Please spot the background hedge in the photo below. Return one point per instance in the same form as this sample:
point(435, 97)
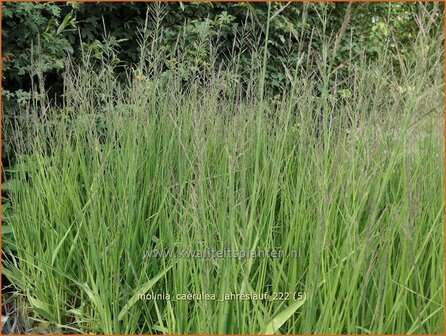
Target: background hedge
point(39, 37)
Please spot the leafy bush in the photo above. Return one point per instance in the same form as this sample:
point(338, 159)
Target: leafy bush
point(40, 37)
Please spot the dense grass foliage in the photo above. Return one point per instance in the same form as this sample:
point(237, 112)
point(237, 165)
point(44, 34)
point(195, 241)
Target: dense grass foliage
point(343, 175)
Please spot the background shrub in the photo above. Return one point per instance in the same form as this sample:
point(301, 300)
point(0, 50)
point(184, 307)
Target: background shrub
point(39, 37)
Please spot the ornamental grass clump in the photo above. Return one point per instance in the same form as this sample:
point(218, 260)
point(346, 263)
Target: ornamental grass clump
point(341, 173)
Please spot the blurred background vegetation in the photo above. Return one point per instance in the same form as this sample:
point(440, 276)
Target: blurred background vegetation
point(38, 38)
